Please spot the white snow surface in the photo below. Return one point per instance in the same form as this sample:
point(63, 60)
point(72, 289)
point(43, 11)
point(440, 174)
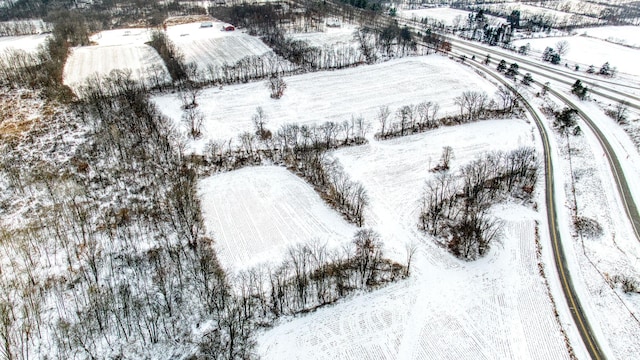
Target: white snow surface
point(27, 43)
point(446, 15)
point(87, 61)
point(624, 35)
point(255, 214)
point(342, 35)
point(587, 51)
point(494, 308)
point(212, 46)
point(331, 96)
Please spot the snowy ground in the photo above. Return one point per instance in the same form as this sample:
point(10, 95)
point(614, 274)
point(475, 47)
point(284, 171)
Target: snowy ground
point(447, 16)
point(213, 47)
point(342, 35)
point(89, 60)
point(254, 214)
point(624, 35)
point(496, 307)
point(120, 49)
point(599, 51)
point(337, 96)
point(561, 17)
point(27, 42)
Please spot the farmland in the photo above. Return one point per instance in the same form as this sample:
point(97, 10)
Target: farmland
point(494, 308)
point(256, 213)
point(212, 47)
point(329, 96)
point(101, 60)
point(599, 51)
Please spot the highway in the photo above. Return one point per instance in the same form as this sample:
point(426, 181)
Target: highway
point(573, 302)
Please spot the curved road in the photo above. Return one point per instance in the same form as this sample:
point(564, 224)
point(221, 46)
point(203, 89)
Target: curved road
point(573, 302)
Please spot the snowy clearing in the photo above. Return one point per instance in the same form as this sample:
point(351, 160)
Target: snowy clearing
point(599, 51)
point(210, 46)
point(342, 35)
point(332, 96)
point(623, 35)
point(86, 61)
point(28, 43)
point(496, 307)
point(448, 16)
point(131, 36)
point(561, 18)
point(255, 213)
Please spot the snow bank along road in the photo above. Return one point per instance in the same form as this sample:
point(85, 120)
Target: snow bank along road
point(602, 87)
point(573, 302)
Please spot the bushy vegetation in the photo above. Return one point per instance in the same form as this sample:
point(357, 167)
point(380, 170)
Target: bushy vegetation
point(455, 207)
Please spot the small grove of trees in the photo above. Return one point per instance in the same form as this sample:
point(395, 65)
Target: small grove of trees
point(276, 85)
point(579, 90)
point(455, 208)
point(619, 112)
point(551, 56)
point(43, 69)
point(311, 276)
point(170, 54)
point(407, 119)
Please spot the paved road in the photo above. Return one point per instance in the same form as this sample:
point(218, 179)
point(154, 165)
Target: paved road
point(573, 301)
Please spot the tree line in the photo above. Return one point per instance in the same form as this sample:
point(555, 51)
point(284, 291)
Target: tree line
point(455, 207)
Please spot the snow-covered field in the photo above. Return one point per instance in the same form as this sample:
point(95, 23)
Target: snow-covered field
point(120, 49)
point(561, 18)
point(336, 96)
point(448, 16)
point(587, 51)
point(624, 35)
point(342, 35)
point(496, 307)
point(213, 47)
point(89, 60)
point(255, 214)
point(28, 43)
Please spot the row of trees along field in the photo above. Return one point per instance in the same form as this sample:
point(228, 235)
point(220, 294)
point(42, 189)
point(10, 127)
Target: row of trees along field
point(455, 207)
point(112, 257)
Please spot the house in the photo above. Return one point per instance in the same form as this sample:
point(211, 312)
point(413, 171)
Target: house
point(228, 27)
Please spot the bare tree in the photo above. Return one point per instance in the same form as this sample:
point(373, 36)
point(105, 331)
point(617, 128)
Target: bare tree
point(472, 103)
point(383, 119)
point(445, 159)
point(259, 121)
point(194, 120)
point(562, 47)
point(277, 86)
point(620, 112)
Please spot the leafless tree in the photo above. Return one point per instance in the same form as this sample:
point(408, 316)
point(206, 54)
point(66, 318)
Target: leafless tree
point(383, 119)
point(562, 47)
point(277, 86)
point(472, 104)
point(194, 119)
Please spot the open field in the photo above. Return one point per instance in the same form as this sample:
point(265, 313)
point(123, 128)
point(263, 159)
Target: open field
point(496, 307)
point(447, 16)
point(623, 35)
point(28, 43)
point(213, 47)
point(336, 96)
point(89, 60)
point(254, 214)
point(330, 37)
point(561, 18)
point(599, 52)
